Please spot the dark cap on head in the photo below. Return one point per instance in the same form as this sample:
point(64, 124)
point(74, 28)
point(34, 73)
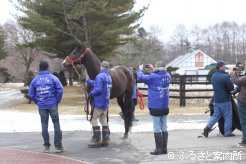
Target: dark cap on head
point(105, 64)
point(148, 66)
point(43, 65)
point(219, 64)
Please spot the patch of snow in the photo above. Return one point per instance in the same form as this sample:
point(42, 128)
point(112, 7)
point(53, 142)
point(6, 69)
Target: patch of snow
point(30, 122)
point(8, 95)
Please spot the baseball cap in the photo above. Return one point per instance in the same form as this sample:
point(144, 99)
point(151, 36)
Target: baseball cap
point(219, 64)
point(43, 65)
point(105, 64)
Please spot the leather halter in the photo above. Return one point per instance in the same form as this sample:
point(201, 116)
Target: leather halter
point(72, 61)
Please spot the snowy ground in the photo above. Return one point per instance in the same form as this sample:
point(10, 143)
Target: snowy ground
point(30, 122)
point(14, 121)
point(7, 96)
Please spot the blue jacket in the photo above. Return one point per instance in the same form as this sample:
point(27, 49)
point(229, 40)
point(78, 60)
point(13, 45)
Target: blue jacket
point(101, 89)
point(45, 90)
point(135, 89)
point(158, 91)
point(222, 86)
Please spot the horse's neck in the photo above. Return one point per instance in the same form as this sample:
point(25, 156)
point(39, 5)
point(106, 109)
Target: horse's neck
point(92, 65)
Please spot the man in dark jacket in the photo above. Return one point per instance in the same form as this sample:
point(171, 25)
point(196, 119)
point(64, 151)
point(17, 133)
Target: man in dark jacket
point(158, 103)
point(101, 93)
point(46, 91)
point(222, 87)
point(241, 104)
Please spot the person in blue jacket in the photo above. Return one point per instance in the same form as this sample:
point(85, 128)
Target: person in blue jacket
point(46, 91)
point(222, 86)
point(158, 103)
point(101, 93)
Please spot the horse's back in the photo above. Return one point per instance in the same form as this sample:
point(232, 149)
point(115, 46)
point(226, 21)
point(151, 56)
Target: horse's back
point(122, 79)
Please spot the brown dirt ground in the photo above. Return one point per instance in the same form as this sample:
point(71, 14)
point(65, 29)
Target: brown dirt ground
point(73, 103)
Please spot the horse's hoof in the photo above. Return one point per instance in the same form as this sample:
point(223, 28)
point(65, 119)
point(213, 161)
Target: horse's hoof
point(125, 136)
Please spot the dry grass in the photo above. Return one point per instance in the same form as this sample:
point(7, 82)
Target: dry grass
point(73, 103)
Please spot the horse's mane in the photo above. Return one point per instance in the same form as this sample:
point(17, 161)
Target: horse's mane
point(91, 61)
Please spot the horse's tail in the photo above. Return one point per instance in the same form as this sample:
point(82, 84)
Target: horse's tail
point(128, 99)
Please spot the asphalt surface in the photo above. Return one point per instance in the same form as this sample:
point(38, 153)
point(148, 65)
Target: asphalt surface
point(183, 146)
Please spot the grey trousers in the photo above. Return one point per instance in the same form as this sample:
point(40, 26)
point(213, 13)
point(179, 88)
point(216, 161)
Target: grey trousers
point(101, 115)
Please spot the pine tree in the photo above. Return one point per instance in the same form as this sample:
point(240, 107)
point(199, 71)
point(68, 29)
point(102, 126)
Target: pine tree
point(102, 24)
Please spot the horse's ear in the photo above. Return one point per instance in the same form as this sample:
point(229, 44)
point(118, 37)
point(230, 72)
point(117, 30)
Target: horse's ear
point(84, 44)
point(79, 46)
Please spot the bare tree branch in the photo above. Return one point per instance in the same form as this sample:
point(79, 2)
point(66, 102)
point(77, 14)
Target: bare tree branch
point(70, 33)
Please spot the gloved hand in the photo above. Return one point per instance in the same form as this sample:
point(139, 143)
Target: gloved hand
point(82, 78)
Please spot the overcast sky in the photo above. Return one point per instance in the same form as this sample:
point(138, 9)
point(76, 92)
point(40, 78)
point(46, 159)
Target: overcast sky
point(167, 14)
point(5, 11)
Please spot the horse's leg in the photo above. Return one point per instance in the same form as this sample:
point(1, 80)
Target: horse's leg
point(122, 104)
point(125, 101)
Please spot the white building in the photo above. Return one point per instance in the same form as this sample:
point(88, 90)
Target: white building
point(190, 63)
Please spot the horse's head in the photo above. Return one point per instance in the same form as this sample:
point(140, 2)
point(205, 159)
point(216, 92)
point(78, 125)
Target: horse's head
point(76, 57)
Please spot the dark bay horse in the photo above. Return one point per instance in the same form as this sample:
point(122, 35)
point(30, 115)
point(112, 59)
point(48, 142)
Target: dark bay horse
point(122, 80)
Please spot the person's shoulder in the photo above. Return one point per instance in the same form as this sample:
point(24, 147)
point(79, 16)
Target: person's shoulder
point(103, 72)
point(225, 75)
point(166, 75)
point(218, 74)
point(53, 76)
point(34, 79)
point(100, 75)
point(159, 73)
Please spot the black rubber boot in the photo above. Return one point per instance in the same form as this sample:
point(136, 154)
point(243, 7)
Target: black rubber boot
point(105, 136)
point(158, 144)
point(206, 131)
point(164, 142)
point(96, 138)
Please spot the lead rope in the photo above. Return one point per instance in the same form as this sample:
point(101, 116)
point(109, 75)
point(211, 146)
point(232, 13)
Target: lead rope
point(76, 70)
point(88, 111)
point(88, 99)
point(89, 102)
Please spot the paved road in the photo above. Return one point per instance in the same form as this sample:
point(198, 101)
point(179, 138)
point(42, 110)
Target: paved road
point(183, 147)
